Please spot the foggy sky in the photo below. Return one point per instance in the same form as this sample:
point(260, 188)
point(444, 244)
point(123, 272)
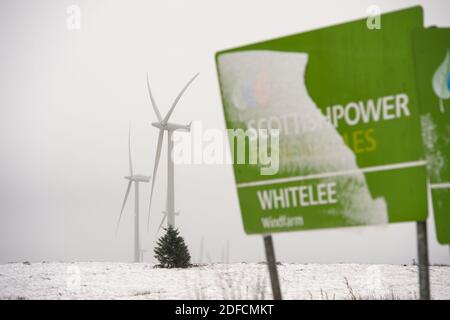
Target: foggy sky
point(67, 97)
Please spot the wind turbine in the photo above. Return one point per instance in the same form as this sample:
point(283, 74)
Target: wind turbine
point(136, 178)
point(163, 124)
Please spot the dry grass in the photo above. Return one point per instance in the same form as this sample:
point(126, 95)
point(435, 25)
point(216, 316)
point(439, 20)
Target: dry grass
point(353, 295)
point(231, 286)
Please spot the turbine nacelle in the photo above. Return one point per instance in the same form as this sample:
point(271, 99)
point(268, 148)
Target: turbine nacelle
point(138, 178)
point(170, 126)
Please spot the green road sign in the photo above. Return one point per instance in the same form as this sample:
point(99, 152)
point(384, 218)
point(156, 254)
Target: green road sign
point(432, 53)
point(344, 101)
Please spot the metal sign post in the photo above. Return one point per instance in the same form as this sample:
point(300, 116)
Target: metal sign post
point(422, 246)
point(272, 265)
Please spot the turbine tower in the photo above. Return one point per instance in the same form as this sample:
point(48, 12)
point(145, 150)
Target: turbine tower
point(163, 124)
point(136, 178)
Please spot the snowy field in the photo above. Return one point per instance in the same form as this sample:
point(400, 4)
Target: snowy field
point(101, 280)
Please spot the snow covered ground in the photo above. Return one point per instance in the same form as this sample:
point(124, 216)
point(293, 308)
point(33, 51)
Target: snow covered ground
point(102, 280)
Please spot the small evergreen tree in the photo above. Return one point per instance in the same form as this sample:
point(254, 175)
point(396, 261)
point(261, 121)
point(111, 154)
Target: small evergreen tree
point(171, 251)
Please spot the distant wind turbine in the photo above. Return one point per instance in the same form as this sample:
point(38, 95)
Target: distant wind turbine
point(163, 124)
point(136, 178)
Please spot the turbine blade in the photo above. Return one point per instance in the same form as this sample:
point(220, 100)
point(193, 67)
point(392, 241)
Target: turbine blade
point(162, 222)
point(123, 204)
point(155, 107)
point(157, 156)
point(130, 161)
point(178, 99)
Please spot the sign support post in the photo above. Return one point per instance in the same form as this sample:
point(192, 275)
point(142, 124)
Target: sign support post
point(422, 246)
point(272, 265)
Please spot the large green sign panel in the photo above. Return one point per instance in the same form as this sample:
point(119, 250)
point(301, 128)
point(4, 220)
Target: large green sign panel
point(432, 52)
point(344, 101)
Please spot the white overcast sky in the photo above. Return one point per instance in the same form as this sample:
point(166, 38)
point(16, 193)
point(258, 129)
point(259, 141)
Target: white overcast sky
point(67, 98)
